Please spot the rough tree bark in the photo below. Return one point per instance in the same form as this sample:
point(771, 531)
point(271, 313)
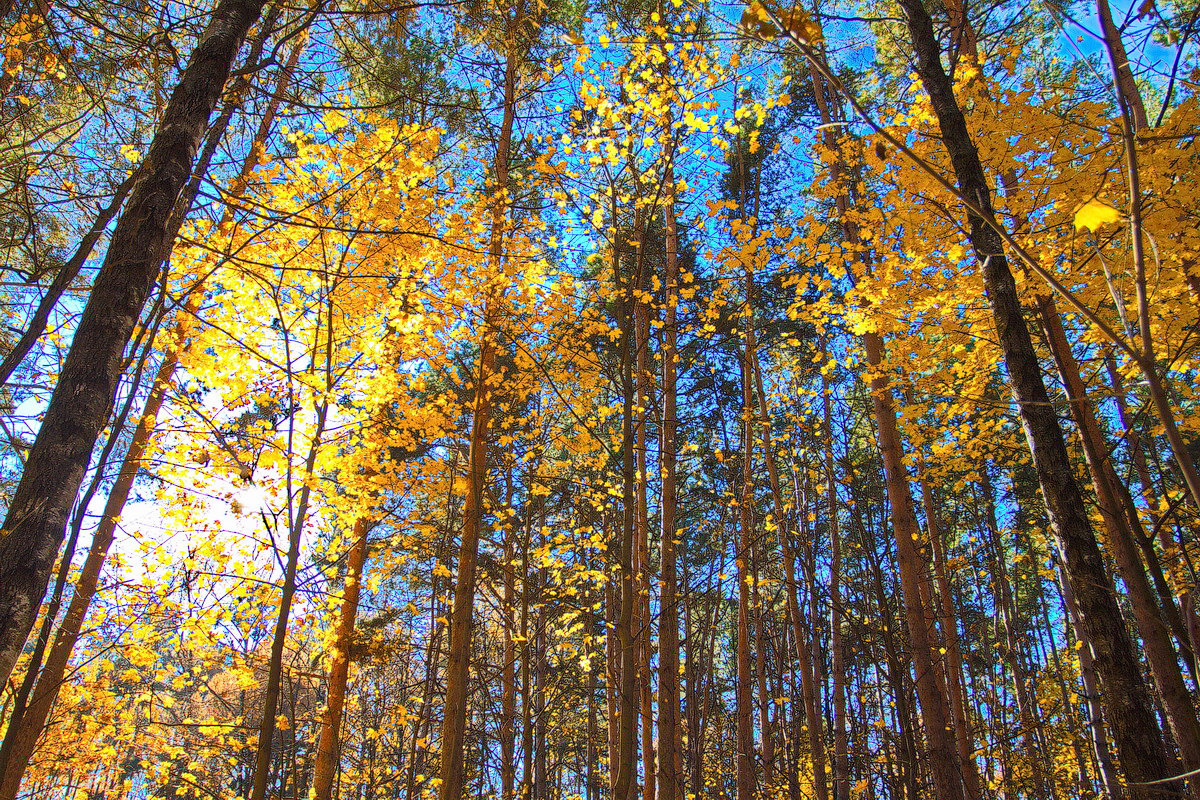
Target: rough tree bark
point(670, 746)
point(1139, 740)
point(78, 410)
point(462, 613)
point(21, 737)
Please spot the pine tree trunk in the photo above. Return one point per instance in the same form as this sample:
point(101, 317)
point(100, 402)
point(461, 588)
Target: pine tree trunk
point(525, 792)
point(944, 762)
point(841, 769)
point(800, 635)
point(1011, 647)
point(508, 673)
point(1091, 693)
point(670, 746)
point(766, 729)
point(744, 693)
point(641, 622)
point(37, 515)
point(953, 662)
point(1139, 740)
point(453, 766)
point(627, 694)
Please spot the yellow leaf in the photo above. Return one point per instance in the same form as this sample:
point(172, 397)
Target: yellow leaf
point(334, 121)
point(1094, 214)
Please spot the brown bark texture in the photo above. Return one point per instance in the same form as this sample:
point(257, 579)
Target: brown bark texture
point(78, 409)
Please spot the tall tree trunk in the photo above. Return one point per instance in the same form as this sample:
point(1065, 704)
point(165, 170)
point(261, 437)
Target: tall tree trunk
point(765, 727)
point(641, 621)
point(612, 679)
point(743, 690)
point(1123, 524)
point(627, 694)
point(24, 728)
point(1091, 692)
point(897, 666)
point(953, 650)
point(841, 770)
point(670, 745)
point(453, 766)
point(525, 791)
point(944, 761)
point(37, 515)
point(1011, 647)
point(508, 671)
point(1139, 739)
point(801, 635)
point(945, 764)
point(328, 745)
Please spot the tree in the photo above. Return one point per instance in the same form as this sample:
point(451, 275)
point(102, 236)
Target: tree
point(36, 518)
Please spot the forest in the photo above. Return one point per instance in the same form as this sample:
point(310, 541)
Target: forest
point(567, 400)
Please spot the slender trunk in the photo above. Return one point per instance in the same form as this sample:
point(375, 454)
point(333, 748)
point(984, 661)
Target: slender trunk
point(808, 688)
point(539, 712)
point(1139, 739)
point(1122, 69)
point(508, 673)
point(592, 769)
point(1091, 693)
point(945, 763)
point(953, 661)
point(670, 746)
point(801, 634)
point(612, 679)
point(266, 733)
point(527, 717)
point(760, 671)
point(1123, 524)
point(943, 755)
point(744, 694)
point(37, 516)
point(328, 746)
point(627, 695)
point(433, 654)
point(897, 666)
point(453, 766)
point(1011, 647)
point(841, 770)
point(641, 621)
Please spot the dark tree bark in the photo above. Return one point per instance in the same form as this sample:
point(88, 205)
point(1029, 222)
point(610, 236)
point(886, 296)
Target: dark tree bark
point(79, 407)
point(1139, 740)
point(670, 745)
